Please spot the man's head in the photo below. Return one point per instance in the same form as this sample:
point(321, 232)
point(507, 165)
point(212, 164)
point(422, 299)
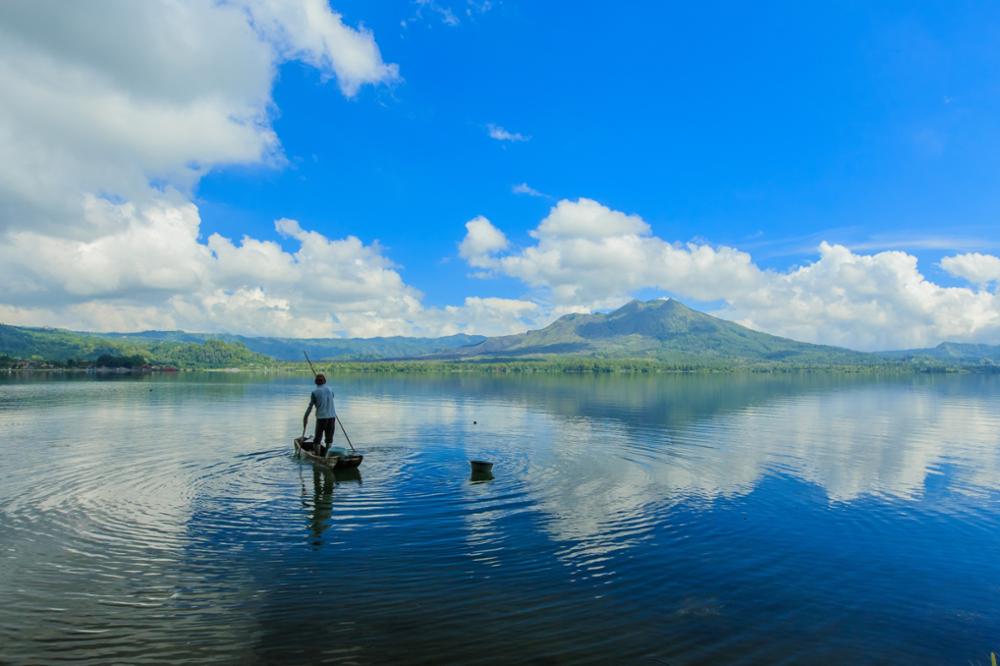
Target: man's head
point(320, 379)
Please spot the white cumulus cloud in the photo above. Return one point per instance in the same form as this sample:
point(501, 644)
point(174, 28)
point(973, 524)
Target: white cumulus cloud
point(151, 270)
point(487, 316)
point(113, 112)
point(308, 30)
point(585, 218)
point(126, 99)
point(975, 267)
point(482, 240)
point(588, 256)
point(877, 301)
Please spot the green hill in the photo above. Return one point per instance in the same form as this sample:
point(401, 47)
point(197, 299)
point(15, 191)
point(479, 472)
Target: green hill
point(290, 349)
point(663, 329)
point(950, 353)
point(59, 346)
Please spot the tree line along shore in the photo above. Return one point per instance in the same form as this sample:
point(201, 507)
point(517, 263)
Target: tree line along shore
point(540, 366)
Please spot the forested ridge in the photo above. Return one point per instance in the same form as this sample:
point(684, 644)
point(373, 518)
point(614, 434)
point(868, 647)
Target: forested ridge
point(58, 348)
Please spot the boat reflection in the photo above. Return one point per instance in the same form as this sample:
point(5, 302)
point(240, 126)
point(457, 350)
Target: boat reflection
point(349, 475)
point(321, 503)
point(479, 476)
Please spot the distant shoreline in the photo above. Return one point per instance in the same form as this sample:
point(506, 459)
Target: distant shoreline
point(578, 366)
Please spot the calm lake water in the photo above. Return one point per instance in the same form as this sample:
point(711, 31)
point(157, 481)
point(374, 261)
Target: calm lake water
point(664, 520)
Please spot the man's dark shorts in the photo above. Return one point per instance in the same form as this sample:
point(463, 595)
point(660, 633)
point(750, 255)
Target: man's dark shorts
point(324, 428)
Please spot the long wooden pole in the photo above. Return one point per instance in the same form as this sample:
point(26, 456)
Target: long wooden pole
point(309, 362)
point(345, 434)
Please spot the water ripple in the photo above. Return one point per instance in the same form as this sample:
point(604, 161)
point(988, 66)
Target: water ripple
point(641, 521)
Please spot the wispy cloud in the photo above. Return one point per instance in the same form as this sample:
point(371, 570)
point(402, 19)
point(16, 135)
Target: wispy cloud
point(500, 134)
point(925, 243)
point(474, 7)
point(854, 238)
point(424, 7)
point(524, 188)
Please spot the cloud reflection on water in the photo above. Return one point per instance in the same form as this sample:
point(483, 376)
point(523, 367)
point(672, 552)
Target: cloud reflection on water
point(642, 449)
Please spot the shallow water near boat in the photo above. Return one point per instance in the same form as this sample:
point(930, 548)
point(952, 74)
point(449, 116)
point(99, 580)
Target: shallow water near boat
point(678, 520)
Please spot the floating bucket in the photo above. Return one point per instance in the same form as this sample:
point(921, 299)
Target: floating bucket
point(481, 466)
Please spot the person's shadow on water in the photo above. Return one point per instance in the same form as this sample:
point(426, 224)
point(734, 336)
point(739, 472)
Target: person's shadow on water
point(322, 506)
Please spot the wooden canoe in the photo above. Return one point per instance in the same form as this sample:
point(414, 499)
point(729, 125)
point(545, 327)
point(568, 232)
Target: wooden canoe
point(348, 461)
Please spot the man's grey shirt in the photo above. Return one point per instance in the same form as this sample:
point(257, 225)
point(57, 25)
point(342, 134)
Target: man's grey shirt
point(322, 398)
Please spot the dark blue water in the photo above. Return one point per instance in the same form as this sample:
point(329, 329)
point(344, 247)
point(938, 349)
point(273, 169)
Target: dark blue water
point(665, 520)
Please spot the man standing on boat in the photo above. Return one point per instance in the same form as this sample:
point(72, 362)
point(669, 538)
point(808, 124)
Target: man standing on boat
point(326, 415)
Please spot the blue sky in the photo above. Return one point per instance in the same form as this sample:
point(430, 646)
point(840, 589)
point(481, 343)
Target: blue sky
point(825, 173)
point(767, 128)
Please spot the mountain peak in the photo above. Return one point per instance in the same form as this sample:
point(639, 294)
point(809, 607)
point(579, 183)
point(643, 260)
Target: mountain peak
point(635, 305)
point(663, 328)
